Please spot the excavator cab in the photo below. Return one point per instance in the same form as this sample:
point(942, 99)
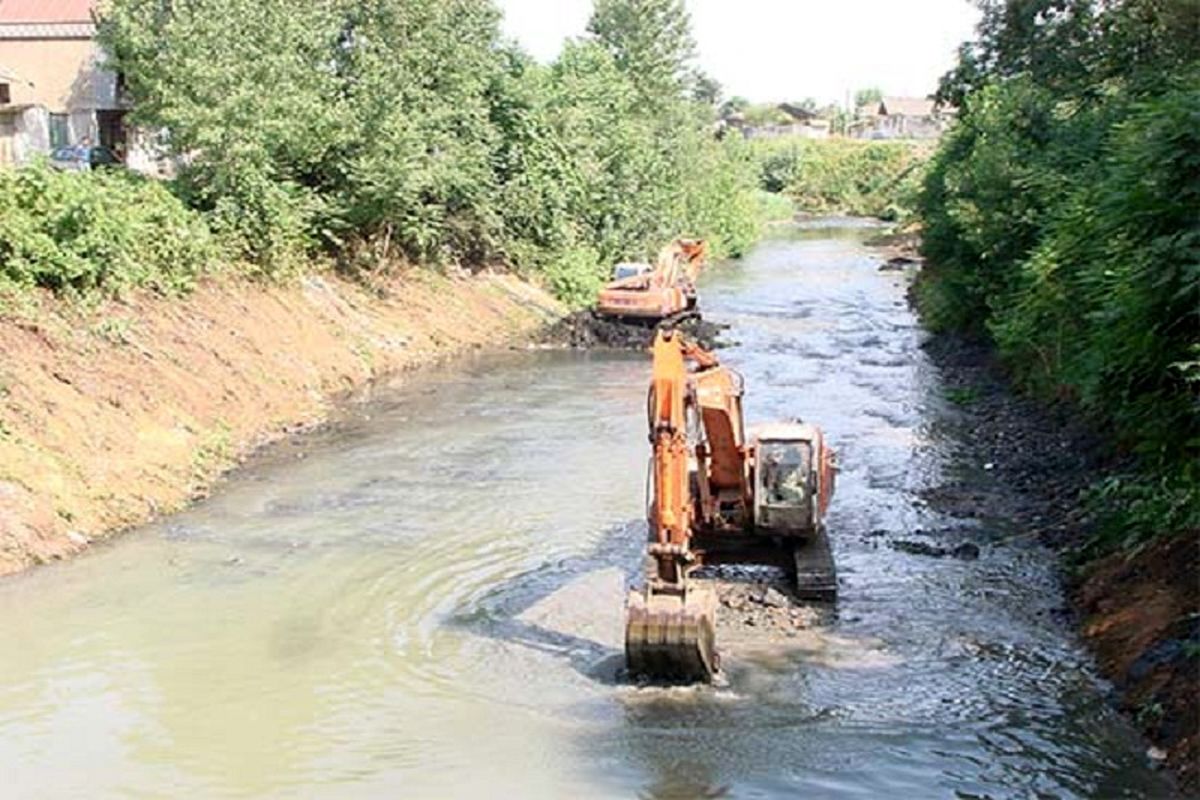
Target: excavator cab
point(785, 486)
point(792, 486)
point(793, 478)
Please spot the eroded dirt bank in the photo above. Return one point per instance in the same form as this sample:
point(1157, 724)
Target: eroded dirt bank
point(113, 416)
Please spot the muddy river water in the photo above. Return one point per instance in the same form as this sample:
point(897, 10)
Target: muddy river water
point(423, 600)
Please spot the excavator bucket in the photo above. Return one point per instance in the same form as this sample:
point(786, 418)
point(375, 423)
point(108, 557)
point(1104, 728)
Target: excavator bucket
point(671, 638)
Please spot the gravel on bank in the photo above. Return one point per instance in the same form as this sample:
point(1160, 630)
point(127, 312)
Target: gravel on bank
point(1139, 613)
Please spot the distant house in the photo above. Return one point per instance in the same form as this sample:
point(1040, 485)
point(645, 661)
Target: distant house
point(901, 118)
point(54, 88)
point(802, 122)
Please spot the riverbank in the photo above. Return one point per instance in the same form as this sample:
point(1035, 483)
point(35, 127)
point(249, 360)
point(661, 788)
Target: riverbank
point(1139, 612)
point(116, 414)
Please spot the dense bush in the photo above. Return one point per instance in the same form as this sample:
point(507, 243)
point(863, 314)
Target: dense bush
point(985, 197)
point(845, 176)
point(590, 178)
point(108, 230)
point(1061, 221)
point(410, 126)
point(1108, 301)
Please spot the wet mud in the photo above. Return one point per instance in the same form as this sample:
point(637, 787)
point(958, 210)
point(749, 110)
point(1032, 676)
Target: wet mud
point(762, 599)
point(586, 329)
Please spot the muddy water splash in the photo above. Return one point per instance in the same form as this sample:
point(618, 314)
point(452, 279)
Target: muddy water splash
point(424, 600)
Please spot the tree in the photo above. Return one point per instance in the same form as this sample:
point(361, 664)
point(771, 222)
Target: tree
point(705, 89)
point(382, 128)
point(258, 157)
point(651, 42)
point(765, 114)
point(867, 96)
point(1058, 218)
point(1076, 46)
point(335, 119)
point(419, 169)
point(734, 105)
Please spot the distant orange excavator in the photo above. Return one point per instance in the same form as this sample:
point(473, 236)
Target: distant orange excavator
point(719, 495)
point(664, 291)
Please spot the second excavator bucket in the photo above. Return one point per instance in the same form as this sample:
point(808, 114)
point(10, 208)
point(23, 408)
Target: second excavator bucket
point(671, 638)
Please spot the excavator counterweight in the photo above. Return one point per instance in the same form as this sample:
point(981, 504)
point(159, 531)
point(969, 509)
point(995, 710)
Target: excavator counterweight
point(718, 495)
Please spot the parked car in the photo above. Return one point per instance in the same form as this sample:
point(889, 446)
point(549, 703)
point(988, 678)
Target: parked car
point(83, 158)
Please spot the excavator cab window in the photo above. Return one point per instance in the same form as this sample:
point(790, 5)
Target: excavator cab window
point(786, 467)
point(628, 270)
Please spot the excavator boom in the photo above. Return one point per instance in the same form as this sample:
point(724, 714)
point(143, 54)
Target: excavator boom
point(670, 631)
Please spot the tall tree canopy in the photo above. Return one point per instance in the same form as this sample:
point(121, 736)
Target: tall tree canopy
point(1076, 46)
point(409, 127)
point(651, 41)
point(1060, 220)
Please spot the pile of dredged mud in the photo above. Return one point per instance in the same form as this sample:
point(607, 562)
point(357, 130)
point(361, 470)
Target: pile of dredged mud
point(586, 330)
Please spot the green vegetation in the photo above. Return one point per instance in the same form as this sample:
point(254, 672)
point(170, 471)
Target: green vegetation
point(962, 396)
point(775, 207)
point(1061, 221)
point(867, 96)
point(844, 176)
point(108, 230)
point(395, 129)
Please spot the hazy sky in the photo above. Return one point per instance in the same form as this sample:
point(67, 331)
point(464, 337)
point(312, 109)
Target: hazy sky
point(790, 49)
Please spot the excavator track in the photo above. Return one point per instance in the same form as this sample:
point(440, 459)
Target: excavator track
point(672, 638)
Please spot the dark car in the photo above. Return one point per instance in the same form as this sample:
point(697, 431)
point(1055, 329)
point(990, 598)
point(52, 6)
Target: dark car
point(82, 158)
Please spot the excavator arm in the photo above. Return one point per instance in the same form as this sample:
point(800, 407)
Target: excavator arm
point(670, 626)
point(668, 404)
point(679, 261)
point(699, 449)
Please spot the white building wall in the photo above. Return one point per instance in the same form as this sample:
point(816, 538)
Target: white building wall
point(31, 134)
point(34, 133)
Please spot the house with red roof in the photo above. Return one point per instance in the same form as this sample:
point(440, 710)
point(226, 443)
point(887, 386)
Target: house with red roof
point(55, 90)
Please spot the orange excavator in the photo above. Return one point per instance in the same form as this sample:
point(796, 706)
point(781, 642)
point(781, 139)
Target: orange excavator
point(719, 495)
point(664, 291)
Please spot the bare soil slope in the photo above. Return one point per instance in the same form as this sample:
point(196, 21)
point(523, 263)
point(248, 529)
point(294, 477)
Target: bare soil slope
point(111, 416)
